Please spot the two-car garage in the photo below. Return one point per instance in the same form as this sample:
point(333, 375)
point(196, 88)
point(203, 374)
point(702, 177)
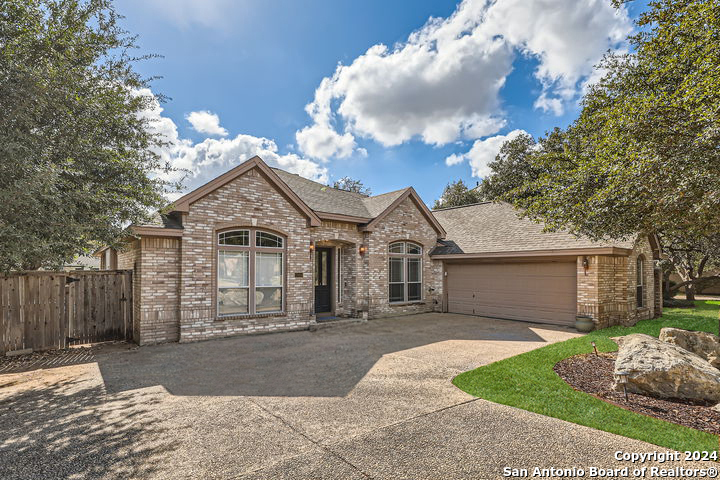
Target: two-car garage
point(534, 291)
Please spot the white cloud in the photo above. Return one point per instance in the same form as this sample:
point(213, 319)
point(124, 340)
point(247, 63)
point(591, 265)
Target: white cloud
point(323, 142)
point(206, 122)
point(454, 159)
point(482, 153)
point(207, 159)
point(444, 82)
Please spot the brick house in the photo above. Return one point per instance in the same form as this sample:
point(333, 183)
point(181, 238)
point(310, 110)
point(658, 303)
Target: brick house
point(259, 249)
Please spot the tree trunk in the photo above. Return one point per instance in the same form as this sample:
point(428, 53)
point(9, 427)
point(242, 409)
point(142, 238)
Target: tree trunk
point(690, 292)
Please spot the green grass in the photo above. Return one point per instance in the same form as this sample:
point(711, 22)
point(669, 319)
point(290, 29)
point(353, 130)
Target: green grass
point(528, 381)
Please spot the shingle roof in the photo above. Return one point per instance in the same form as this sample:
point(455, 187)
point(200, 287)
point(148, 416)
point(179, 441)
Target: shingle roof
point(323, 198)
point(495, 227)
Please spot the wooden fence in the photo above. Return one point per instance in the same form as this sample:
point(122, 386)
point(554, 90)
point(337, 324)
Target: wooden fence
point(47, 310)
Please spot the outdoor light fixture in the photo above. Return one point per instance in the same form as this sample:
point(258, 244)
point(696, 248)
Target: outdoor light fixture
point(594, 348)
point(586, 264)
point(312, 247)
point(362, 249)
point(622, 379)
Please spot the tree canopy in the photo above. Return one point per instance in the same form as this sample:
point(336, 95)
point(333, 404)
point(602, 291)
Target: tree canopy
point(351, 185)
point(644, 154)
point(457, 194)
point(78, 160)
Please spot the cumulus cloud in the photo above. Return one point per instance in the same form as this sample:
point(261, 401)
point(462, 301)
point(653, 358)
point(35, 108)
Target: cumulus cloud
point(205, 160)
point(482, 153)
point(206, 122)
point(443, 83)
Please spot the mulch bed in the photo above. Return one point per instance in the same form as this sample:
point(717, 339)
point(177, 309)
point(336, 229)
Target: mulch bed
point(593, 374)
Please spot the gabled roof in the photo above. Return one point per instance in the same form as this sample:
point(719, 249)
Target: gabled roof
point(496, 228)
point(183, 203)
point(412, 195)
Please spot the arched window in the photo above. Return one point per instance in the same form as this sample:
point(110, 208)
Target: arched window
point(250, 272)
point(640, 281)
point(404, 272)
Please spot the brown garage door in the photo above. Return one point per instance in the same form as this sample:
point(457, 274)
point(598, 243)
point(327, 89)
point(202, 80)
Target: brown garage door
point(539, 292)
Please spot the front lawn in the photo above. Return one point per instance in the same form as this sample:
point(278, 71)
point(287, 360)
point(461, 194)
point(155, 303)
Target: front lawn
point(528, 381)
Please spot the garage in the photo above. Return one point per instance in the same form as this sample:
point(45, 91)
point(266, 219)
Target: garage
point(534, 291)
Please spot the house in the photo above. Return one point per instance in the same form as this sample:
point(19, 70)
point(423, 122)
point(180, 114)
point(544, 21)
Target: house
point(259, 249)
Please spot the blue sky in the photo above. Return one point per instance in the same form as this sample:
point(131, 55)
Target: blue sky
point(431, 107)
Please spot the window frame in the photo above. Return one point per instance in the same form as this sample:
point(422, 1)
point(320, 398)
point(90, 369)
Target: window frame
point(640, 282)
point(252, 249)
point(405, 257)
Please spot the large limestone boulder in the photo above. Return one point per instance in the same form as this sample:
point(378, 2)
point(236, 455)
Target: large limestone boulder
point(704, 344)
point(664, 370)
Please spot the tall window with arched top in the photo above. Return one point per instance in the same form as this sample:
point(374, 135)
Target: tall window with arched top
point(404, 272)
point(250, 272)
point(640, 281)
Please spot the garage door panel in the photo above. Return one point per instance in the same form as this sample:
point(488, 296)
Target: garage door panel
point(543, 292)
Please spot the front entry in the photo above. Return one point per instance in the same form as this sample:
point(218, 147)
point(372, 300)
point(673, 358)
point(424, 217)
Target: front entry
point(323, 280)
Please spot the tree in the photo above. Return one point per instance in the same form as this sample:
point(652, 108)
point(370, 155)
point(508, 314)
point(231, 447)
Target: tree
point(513, 178)
point(351, 185)
point(644, 154)
point(457, 194)
point(78, 161)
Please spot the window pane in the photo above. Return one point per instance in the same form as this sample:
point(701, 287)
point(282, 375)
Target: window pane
point(414, 249)
point(268, 299)
point(232, 301)
point(264, 239)
point(397, 247)
point(232, 269)
point(413, 269)
point(268, 269)
point(639, 271)
point(414, 291)
point(396, 270)
point(240, 238)
point(397, 292)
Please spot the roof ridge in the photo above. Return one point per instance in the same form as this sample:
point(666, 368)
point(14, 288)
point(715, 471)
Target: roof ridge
point(464, 206)
point(321, 184)
point(388, 193)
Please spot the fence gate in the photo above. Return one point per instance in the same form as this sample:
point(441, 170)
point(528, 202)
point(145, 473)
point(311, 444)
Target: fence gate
point(47, 310)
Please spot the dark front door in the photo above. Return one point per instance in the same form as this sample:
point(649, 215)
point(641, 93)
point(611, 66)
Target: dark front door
point(323, 279)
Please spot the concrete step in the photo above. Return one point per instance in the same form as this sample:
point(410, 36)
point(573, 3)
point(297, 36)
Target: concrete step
point(334, 323)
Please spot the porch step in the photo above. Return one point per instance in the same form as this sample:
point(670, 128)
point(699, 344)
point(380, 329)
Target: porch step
point(339, 322)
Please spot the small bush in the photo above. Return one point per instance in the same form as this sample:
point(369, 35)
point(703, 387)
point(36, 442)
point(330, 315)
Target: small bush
point(678, 303)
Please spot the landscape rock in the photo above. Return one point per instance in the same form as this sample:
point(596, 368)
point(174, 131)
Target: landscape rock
point(704, 344)
point(664, 370)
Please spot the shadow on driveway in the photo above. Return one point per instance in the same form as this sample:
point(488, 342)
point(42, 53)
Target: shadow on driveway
point(326, 363)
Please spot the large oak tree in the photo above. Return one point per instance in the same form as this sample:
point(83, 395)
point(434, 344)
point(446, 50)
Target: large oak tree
point(78, 161)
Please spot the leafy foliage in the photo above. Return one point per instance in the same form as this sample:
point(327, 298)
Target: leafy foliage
point(351, 185)
point(457, 194)
point(78, 162)
point(644, 154)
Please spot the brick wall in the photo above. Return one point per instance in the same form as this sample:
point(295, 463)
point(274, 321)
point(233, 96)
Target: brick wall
point(606, 289)
point(175, 278)
point(406, 222)
point(247, 201)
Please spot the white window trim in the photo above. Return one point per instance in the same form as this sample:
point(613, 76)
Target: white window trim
point(251, 249)
point(405, 270)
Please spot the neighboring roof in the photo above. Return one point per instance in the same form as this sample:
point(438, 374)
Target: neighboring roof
point(493, 228)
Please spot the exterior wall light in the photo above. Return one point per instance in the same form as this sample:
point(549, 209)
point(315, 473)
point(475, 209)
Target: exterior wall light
point(585, 264)
point(312, 247)
point(362, 250)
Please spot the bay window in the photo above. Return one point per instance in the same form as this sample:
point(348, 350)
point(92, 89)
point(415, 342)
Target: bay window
point(250, 272)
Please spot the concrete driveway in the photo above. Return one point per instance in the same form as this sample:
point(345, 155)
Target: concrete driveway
point(365, 401)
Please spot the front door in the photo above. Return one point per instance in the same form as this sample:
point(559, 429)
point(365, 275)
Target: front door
point(323, 280)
